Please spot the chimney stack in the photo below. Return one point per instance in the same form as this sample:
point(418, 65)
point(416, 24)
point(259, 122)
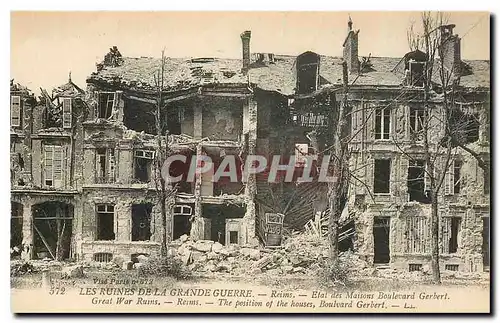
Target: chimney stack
point(349, 24)
point(450, 50)
point(350, 54)
point(245, 41)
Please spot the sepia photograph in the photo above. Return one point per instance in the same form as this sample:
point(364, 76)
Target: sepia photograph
point(250, 162)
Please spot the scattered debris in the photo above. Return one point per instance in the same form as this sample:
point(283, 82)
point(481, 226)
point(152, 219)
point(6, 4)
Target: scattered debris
point(75, 271)
point(127, 265)
point(299, 254)
point(18, 269)
point(113, 58)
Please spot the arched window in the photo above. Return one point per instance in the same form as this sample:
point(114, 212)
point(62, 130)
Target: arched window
point(307, 72)
point(415, 64)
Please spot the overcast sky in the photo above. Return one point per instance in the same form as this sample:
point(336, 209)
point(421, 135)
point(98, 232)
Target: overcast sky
point(45, 46)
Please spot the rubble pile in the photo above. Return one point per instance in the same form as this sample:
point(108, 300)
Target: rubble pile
point(74, 271)
point(301, 254)
point(19, 268)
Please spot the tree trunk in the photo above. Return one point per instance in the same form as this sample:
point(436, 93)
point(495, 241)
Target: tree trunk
point(436, 273)
point(338, 188)
point(430, 167)
point(333, 222)
point(58, 241)
point(160, 158)
point(163, 247)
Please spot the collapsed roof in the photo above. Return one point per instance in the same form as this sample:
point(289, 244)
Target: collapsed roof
point(277, 75)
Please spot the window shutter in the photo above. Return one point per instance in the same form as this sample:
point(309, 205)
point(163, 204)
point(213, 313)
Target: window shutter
point(445, 234)
point(449, 179)
point(116, 101)
point(48, 164)
point(357, 123)
point(58, 165)
point(376, 115)
point(15, 111)
point(111, 170)
point(67, 112)
point(96, 98)
point(97, 166)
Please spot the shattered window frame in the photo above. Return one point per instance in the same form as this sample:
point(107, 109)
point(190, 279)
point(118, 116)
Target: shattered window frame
point(416, 123)
point(143, 154)
point(416, 80)
point(453, 178)
point(451, 230)
point(182, 207)
point(109, 108)
point(105, 172)
point(464, 125)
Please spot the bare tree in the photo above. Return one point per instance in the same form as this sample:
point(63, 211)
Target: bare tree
point(337, 190)
point(436, 120)
point(163, 189)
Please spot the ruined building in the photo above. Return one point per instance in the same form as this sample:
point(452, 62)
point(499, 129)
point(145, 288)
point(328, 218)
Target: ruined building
point(108, 140)
point(390, 205)
point(46, 143)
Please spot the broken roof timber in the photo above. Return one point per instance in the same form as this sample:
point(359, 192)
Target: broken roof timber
point(223, 94)
point(180, 97)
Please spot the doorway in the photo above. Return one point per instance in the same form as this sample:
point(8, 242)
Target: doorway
point(52, 223)
point(381, 250)
point(182, 224)
point(224, 224)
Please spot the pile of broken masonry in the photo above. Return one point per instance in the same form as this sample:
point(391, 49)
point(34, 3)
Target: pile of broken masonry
point(301, 254)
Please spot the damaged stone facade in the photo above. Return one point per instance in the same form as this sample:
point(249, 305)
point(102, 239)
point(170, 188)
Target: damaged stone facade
point(86, 187)
point(389, 205)
point(46, 145)
point(212, 120)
